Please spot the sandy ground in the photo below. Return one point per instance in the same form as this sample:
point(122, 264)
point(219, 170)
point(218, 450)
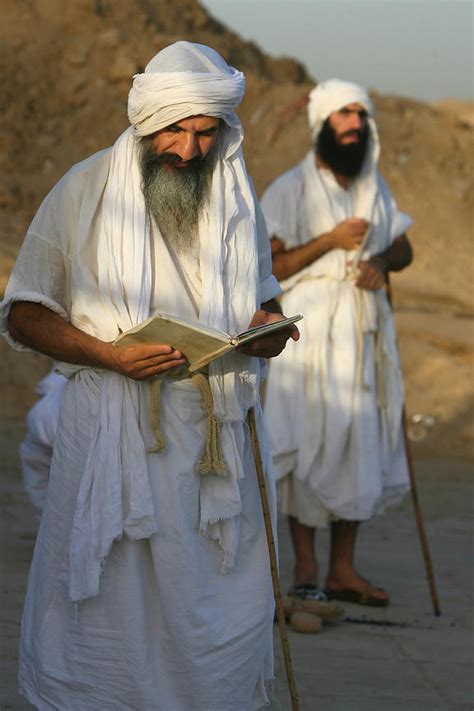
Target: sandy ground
point(399, 658)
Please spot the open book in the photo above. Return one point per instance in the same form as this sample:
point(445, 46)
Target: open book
point(200, 344)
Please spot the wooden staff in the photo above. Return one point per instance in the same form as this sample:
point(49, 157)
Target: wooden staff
point(419, 521)
point(416, 503)
point(273, 559)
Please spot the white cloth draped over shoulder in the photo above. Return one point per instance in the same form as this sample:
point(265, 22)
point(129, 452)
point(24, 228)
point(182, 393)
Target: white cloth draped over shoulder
point(107, 247)
point(334, 405)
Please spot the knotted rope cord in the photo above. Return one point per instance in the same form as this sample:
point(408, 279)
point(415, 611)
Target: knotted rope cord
point(358, 295)
point(155, 402)
point(212, 459)
point(351, 276)
point(379, 362)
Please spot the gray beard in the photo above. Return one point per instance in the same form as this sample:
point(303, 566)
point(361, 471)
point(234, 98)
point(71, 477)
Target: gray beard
point(174, 198)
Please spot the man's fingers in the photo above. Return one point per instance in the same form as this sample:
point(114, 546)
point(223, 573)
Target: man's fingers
point(370, 277)
point(272, 344)
point(359, 222)
point(140, 362)
point(151, 370)
point(295, 334)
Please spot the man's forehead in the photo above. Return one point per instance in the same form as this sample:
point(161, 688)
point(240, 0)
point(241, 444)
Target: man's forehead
point(198, 122)
point(355, 106)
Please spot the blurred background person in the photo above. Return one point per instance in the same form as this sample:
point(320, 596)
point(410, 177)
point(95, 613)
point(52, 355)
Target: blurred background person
point(334, 407)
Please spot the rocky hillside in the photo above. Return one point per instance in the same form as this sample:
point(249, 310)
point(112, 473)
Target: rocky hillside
point(66, 71)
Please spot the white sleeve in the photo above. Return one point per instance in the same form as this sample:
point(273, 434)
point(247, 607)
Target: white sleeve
point(400, 222)
point(281, 205)
point(42, 271)
point(269, 287)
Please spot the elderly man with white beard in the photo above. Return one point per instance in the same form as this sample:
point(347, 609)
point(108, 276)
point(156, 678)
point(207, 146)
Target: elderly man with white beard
point(334, 406)
point(150, 585)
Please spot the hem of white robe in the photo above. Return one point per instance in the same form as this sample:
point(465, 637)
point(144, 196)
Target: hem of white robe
point(260, 699)
point(262, 693)
point(320, 517)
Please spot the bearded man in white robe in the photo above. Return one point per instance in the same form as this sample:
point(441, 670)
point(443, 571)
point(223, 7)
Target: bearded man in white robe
point(150, 585)
point(334, 406)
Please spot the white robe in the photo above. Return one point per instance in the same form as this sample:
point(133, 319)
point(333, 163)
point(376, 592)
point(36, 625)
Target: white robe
point(168, 630)
point(337, 454)
point(36, 449)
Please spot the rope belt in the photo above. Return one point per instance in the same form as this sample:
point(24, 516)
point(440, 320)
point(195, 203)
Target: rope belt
point(351, 277)
point(378, 354)
point(212, 459)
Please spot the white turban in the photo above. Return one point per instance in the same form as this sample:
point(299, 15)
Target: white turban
point(184, 79)
point(333, 95)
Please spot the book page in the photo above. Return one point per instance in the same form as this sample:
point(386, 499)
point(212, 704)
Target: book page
point(195, 342)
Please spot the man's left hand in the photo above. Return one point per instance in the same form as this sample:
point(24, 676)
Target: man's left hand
point(371, 274)
point(272, 344)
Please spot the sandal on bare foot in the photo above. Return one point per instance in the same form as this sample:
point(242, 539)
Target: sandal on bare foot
point(364, 597)
point(312, 599)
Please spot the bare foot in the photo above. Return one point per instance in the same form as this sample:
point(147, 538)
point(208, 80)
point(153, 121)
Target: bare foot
point(349, 579)
point(305, 573)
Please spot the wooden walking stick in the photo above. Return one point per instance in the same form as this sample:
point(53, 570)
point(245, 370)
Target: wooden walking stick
point(273, 559)
point(419, 521)
point(416, 502)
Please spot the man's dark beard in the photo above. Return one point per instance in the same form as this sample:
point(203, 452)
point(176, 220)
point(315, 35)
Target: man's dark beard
point(174, 197)
point(342, 159)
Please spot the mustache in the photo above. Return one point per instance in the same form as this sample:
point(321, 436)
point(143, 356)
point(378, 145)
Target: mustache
point(352, 133)
point(172, 159)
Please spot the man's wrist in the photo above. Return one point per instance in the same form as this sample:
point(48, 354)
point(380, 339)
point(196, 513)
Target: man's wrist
point(326, 240)
point(381, 262)
point(272, 306)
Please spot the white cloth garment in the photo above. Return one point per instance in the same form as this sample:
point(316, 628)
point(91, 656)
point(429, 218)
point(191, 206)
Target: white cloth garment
point(36, 449)
point(334, 422)
point(140, 540)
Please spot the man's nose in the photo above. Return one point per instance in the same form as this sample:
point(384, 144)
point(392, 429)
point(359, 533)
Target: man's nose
point(356, 122)
point(189, 147)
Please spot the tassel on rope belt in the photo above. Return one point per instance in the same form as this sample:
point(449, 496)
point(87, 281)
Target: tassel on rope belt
point(212, 459)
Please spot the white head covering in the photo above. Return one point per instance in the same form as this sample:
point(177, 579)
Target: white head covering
point(332, 95)
point(182, 80)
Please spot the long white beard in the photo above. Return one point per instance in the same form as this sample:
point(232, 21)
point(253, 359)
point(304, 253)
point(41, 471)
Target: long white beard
point(175, 197)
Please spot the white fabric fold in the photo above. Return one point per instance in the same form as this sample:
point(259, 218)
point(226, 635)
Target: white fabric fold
point(114, 497)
